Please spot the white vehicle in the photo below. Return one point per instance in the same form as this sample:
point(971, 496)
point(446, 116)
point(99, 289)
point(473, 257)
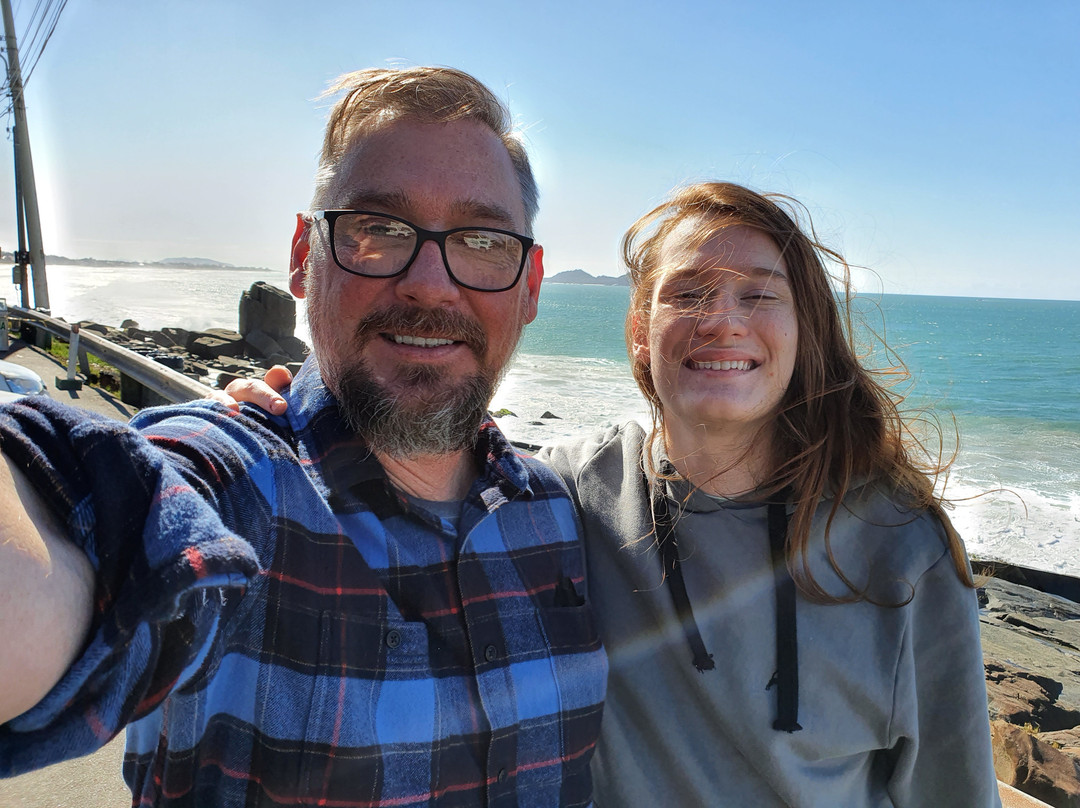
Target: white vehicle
point(17, 381)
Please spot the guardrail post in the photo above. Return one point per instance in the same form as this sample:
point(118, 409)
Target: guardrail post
point(71, 382)
point(39, 337)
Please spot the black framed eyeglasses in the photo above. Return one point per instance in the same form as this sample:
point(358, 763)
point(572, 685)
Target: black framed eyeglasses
point(377, 245)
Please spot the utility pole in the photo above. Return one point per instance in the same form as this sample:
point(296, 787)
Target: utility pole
point(26, 188)
point(22, 257)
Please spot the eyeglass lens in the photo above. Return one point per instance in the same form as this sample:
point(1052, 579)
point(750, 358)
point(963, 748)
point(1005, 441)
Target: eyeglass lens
point(378, 247)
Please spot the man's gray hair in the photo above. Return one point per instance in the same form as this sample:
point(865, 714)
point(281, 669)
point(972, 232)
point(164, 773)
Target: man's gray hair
point(374, 97)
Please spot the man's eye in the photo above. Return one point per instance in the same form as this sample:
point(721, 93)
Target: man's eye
point(478, 241)
point(388, 230)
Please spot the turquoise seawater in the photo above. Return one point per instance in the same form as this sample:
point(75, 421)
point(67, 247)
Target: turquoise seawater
point(1008, 371)
point(1010, 359)
point(1014, 360)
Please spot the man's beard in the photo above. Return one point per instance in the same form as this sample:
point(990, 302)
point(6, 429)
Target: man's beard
point(428, 412)
point(430, 416)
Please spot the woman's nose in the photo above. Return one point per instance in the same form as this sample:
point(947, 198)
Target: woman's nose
point(722, 314)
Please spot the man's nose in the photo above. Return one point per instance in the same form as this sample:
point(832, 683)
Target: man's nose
point(427, 281)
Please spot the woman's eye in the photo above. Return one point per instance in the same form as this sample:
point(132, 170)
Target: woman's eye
point(690, 293)
point(759, 295)
point(688, 300)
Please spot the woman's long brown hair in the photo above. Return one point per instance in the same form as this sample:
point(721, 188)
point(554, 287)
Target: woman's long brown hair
point(838, 426)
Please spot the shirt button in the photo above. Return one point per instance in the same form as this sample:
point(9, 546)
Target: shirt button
point(502, 775)
point(393, 638)
point(491, 653)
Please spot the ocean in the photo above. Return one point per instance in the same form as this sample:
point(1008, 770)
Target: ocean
point(1006, 372)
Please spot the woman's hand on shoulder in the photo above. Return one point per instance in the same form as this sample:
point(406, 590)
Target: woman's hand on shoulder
point(263, 393)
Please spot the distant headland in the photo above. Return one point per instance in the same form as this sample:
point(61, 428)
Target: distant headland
point(581, 276)
point(165, 263)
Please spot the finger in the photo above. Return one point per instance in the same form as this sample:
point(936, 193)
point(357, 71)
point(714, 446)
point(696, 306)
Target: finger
point(257, 392)
point(278, 377)
point(221, 397)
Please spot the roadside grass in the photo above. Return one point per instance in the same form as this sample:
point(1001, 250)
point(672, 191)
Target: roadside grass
point(102, 374)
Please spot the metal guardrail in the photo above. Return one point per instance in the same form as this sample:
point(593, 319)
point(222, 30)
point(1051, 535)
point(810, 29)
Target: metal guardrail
point(167, 383)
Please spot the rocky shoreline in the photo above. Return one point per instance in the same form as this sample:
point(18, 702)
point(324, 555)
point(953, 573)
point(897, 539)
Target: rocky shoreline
point(1031, 653)
point(216, 356)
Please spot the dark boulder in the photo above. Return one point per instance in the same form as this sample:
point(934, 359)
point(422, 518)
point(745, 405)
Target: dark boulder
point(215, 342)
point(267, 309)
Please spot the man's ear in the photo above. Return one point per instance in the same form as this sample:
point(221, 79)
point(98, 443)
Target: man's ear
point(534, 267)
point(298, 256)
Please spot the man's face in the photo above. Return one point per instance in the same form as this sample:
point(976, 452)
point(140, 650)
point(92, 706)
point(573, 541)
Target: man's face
point(417, 348)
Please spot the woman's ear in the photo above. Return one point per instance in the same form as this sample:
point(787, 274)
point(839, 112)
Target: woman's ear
point(639, 339)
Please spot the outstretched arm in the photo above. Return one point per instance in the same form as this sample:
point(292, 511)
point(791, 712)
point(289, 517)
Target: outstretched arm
point(46, 596)
point(79, 660)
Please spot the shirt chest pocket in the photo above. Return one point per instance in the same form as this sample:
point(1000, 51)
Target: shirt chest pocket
point(376, 676)
point(374, 706)
point(339, 702)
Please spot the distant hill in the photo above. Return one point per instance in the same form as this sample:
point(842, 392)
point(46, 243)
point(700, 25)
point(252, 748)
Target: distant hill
point(170, 263)
point(581, 276)
point(193, 262)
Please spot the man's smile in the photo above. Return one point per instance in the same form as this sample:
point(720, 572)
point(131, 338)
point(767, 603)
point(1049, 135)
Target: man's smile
point(421, 342)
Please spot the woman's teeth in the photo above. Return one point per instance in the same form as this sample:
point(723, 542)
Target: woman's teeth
point(741, 364)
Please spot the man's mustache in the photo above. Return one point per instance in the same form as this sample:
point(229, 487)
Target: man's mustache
point(417, 321)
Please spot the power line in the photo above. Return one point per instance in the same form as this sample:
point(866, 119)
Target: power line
point(59, 9)
point(27, 47)
point(34, 15)
point(42, 19)
point(46, 19)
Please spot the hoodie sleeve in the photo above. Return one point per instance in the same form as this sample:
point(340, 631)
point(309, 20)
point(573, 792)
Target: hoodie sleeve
point(941, 726)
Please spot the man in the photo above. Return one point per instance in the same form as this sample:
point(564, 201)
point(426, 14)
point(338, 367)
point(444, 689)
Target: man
point(369, 601)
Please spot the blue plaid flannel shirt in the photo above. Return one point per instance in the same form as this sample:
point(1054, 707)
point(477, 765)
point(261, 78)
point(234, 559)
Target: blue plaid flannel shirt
point(275, 624)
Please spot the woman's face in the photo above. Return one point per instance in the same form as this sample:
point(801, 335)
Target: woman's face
point(722, 338)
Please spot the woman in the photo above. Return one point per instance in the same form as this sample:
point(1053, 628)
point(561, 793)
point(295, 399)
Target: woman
point(788, 612)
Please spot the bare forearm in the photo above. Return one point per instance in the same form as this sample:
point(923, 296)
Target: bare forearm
point(46, 596)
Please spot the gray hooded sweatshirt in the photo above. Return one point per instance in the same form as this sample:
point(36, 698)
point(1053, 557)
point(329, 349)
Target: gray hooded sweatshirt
point(891, 699)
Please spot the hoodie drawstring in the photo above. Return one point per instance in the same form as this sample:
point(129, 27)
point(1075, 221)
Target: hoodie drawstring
point(669, 550)
point(786, 677)
point(787, 645)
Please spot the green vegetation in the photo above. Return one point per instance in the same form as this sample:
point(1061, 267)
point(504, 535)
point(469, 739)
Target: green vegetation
point(102, 374)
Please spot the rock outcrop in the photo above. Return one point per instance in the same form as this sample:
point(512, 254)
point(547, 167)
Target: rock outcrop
point(269, 310)
point(1031, 651)
point(267, 321)
point(1022, 697)
point(1026, 762)
point(1067, 740)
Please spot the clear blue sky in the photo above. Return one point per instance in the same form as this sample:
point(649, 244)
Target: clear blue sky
point(937, 143)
